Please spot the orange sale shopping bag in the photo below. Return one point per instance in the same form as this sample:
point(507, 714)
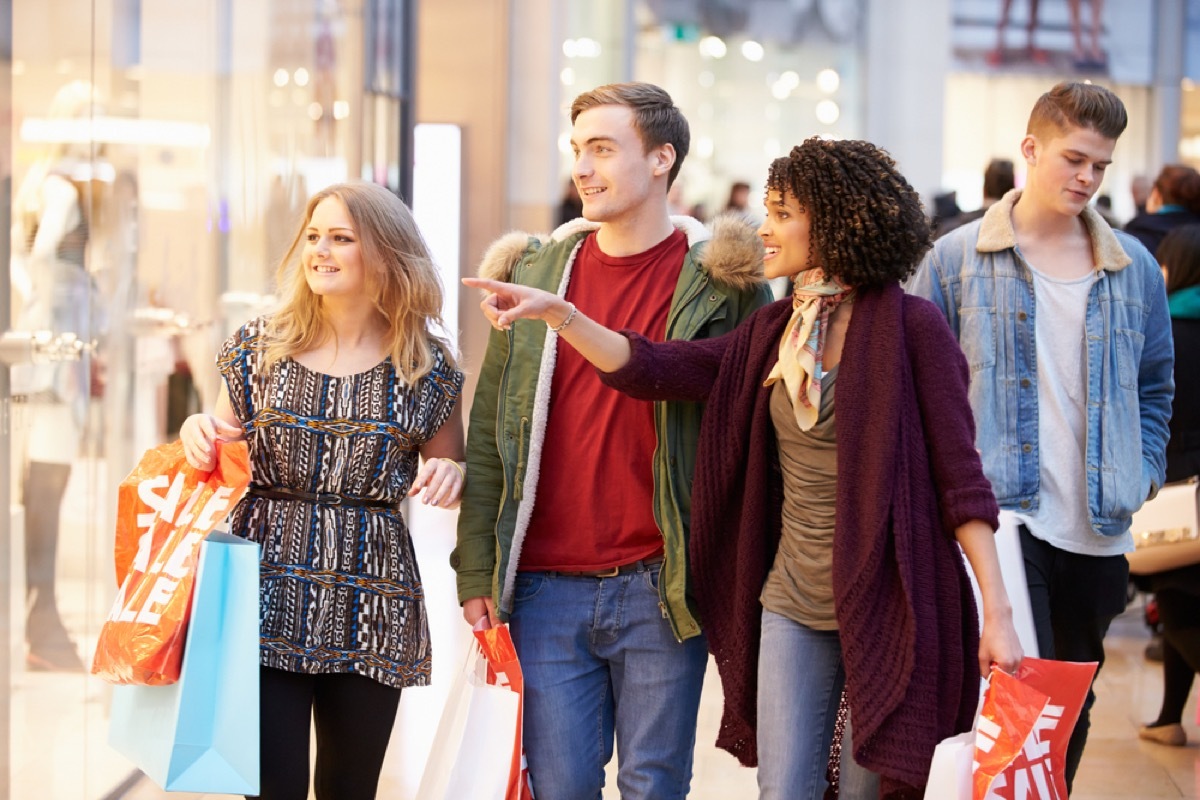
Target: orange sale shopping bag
point(1009, 715)
point(165, 508)
point(1038, 769)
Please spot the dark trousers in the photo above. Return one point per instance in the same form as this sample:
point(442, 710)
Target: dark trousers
point(353, 716)
point(1074, 599)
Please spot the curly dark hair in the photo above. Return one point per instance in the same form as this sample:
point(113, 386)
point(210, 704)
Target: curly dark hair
point(866, 224)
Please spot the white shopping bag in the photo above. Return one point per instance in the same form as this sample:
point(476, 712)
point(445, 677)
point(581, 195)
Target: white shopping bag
point(950, 772)
point(1012, 567)
point(469, 758)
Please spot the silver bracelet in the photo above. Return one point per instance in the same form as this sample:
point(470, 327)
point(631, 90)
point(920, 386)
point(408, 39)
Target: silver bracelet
point(566, 321)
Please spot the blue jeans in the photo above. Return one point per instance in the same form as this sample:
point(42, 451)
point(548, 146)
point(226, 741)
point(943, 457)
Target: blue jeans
point(598, 659)
point(800, 679)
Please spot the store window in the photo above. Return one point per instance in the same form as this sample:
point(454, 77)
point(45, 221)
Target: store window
point(753, 78)
point(161, 156)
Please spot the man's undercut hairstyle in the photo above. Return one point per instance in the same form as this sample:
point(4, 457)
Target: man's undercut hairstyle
point(1080, 105)
point(655, 117)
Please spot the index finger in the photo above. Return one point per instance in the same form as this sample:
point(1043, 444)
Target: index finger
point(483, 283)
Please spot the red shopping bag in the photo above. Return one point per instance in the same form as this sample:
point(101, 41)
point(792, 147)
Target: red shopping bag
point(1038, 772)
point(164, 510)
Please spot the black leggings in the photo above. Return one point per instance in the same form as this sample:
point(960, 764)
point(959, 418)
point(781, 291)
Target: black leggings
point(1180, 615)
point(353, 716)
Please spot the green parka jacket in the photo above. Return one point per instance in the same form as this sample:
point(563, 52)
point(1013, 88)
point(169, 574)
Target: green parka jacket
point(720, 284)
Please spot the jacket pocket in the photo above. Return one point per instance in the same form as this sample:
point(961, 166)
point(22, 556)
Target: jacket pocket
point(1129, 356)
point(977, 337)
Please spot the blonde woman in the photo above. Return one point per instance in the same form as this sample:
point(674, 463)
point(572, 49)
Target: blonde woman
point(341, 395)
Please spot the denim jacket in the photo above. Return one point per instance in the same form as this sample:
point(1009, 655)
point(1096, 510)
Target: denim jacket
point(983, 285)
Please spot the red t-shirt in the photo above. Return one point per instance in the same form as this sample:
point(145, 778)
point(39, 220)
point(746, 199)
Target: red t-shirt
point(595, 490)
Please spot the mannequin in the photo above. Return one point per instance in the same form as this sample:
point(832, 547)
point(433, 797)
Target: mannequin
point(53, 215)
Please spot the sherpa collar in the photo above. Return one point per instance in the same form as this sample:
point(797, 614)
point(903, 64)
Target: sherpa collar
point(996, 233)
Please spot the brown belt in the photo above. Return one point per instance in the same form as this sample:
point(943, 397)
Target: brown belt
point(319, 498)
point(641, 565)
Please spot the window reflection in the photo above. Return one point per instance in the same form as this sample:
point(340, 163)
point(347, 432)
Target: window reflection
point(162, 153)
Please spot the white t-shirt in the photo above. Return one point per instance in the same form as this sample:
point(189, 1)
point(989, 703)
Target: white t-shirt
point(1059, 328)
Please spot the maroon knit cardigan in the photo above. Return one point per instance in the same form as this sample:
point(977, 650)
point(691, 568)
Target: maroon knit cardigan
point(908, 475)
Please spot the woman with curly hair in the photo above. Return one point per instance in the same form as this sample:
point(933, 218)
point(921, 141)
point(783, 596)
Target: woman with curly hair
point(825, 553)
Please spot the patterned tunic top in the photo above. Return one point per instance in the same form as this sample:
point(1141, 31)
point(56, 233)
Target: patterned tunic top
point(340, 588)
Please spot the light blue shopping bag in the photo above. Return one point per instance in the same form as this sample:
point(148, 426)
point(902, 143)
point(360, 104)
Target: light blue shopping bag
point(201, 734)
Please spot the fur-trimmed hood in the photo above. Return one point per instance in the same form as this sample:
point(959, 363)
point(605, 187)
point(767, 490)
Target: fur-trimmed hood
point(732, 253)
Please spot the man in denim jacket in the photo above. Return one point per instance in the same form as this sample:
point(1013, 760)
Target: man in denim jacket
point(1064, 324)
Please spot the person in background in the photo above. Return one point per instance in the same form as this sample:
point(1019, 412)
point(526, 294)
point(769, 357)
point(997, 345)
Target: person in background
point(739, 197)
point(836, 450)
point(1087, 52)
point(945, 207)
point(574, 526)
point(738, 204)
point(1001, 54)
point(1139, 191)
point(348, 399)
point(571, 206)
point(1174, 200)
point(1177, 591)
point(998, 180)
point(1104, 209)
point(1064, 324)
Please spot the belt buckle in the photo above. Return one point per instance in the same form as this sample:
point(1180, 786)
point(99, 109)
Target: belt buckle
point(329, 499)
point(611, 572)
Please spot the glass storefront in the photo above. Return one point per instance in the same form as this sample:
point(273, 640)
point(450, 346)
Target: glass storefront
point(157, 157)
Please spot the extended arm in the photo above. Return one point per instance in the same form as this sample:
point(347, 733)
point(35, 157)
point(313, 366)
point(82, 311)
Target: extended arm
point(607, 350)
point(673, 370)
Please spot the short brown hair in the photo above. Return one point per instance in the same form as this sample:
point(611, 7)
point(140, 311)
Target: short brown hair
point(655, 117)
point(1080, 105)
point(1179, 184)
point(1180, 254)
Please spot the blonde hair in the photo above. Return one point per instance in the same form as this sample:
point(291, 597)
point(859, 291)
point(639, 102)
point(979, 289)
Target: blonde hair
point(400, 276)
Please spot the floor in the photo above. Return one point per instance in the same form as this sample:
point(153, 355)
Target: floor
point(59, 751)
point(1116, 764)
